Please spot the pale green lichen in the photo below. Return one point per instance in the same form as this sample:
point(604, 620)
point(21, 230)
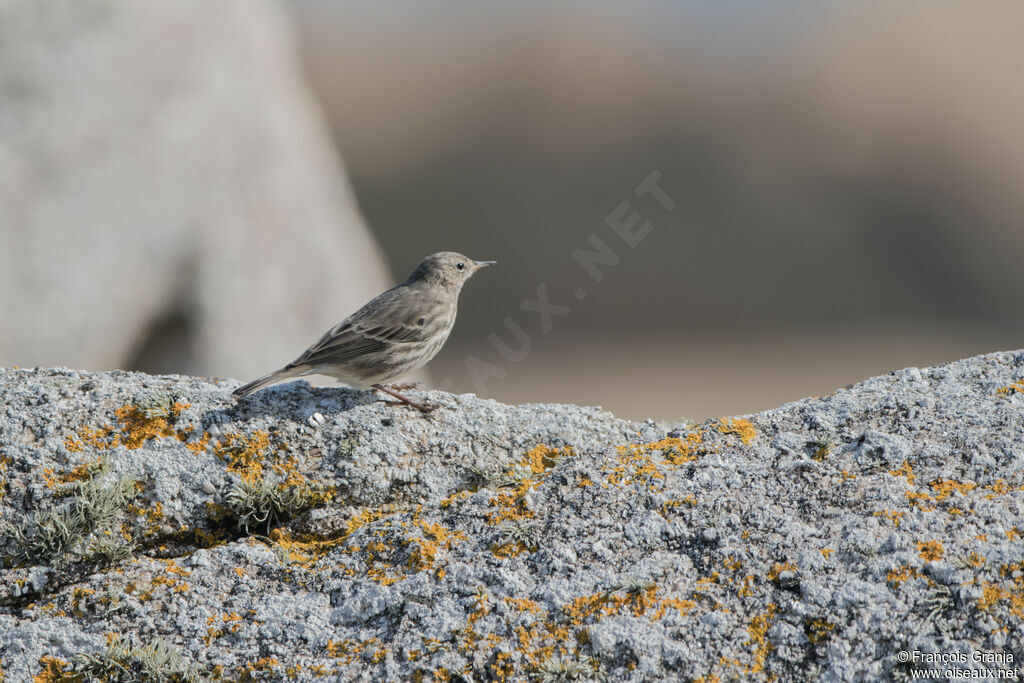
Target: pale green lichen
point(57, 534)
point(156, 661)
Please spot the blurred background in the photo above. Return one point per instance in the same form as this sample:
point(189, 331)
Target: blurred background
point(196, 188)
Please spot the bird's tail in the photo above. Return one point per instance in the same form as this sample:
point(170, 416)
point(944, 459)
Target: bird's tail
point(266, 380)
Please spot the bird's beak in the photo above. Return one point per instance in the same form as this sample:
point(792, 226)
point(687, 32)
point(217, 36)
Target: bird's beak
point(477, 265)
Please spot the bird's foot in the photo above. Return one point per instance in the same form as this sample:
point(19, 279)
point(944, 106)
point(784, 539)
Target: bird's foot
point(404, 400)
point(403, 387)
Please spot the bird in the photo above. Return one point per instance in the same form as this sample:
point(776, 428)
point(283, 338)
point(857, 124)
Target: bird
point(397, 332)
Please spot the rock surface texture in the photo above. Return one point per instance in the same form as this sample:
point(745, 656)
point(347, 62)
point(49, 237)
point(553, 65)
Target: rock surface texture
point(170, 193)
point(150, 523)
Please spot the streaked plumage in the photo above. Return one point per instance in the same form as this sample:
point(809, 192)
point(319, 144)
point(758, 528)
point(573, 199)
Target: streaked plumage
point(392, 335)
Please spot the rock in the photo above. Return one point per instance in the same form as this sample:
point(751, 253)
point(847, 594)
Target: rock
point(313, 532)
point(166, 176)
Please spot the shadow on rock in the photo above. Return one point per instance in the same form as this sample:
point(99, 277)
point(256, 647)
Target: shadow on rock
point(296, 401)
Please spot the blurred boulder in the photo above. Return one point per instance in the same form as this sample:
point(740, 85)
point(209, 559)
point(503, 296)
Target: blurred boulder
point(170, 197)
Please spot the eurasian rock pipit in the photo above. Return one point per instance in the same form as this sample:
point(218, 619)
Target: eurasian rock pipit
point(391, 336)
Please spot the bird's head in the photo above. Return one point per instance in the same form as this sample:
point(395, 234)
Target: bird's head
point(447, 268)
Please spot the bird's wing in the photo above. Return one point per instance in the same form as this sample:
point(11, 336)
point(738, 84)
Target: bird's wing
point(385, 321)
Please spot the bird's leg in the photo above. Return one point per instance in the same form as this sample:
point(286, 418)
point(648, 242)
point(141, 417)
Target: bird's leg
point(404, 399)
point(403, 387)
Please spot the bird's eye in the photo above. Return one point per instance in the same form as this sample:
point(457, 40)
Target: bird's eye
point(460, 266)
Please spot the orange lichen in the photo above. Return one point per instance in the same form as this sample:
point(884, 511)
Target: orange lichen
point(200, 445)
point(481, 607)
point(524, 605)
point(920, 500)
point(543, 457)
point(82, 472)
point(245, 454)
point(905, 471)
point(455, 497)
point(135, 425)
point(826, 552)
point(349, 650)
point(778, 568)
point(639, 602)
point(741, 428)
point(264, 665)
point(819, 630)
point(758, 632)
point(1011, 590)
point(511, 504)
point(139, 425)
point(1015, 388)
point(945, 488)
point(502, 668)
point(680, 605)
point(637, 464)
point(508, 549)
point(362, 519)
point(897, 577)
point(102, 437)
point(219, 625)
point(53, 670)
point(304, 550)
point(930, 551)
point(436, 538)
point(669, 505)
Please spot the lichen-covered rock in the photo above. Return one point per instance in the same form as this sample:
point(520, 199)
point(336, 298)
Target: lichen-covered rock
point(152, 523)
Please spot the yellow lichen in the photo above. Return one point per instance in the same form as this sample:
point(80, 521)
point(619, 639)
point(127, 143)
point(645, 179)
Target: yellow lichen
point(758, 632)
point(930, 551)
point(139, 425)
point(1015, 388)
point(219, 625)
point(53, 670)
point(905, 471)
point(511, 504)
point(508, 549)
point(436, 538)
point(819, 630)
point(897, 577)
point(637, 464)
point(245, 455)
point(778, 568)
point(524, 605)
point(920, 500)
point(543, 457)
point(135, 425)
point(741, 428)
point(265, 665)
point(945, 488)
